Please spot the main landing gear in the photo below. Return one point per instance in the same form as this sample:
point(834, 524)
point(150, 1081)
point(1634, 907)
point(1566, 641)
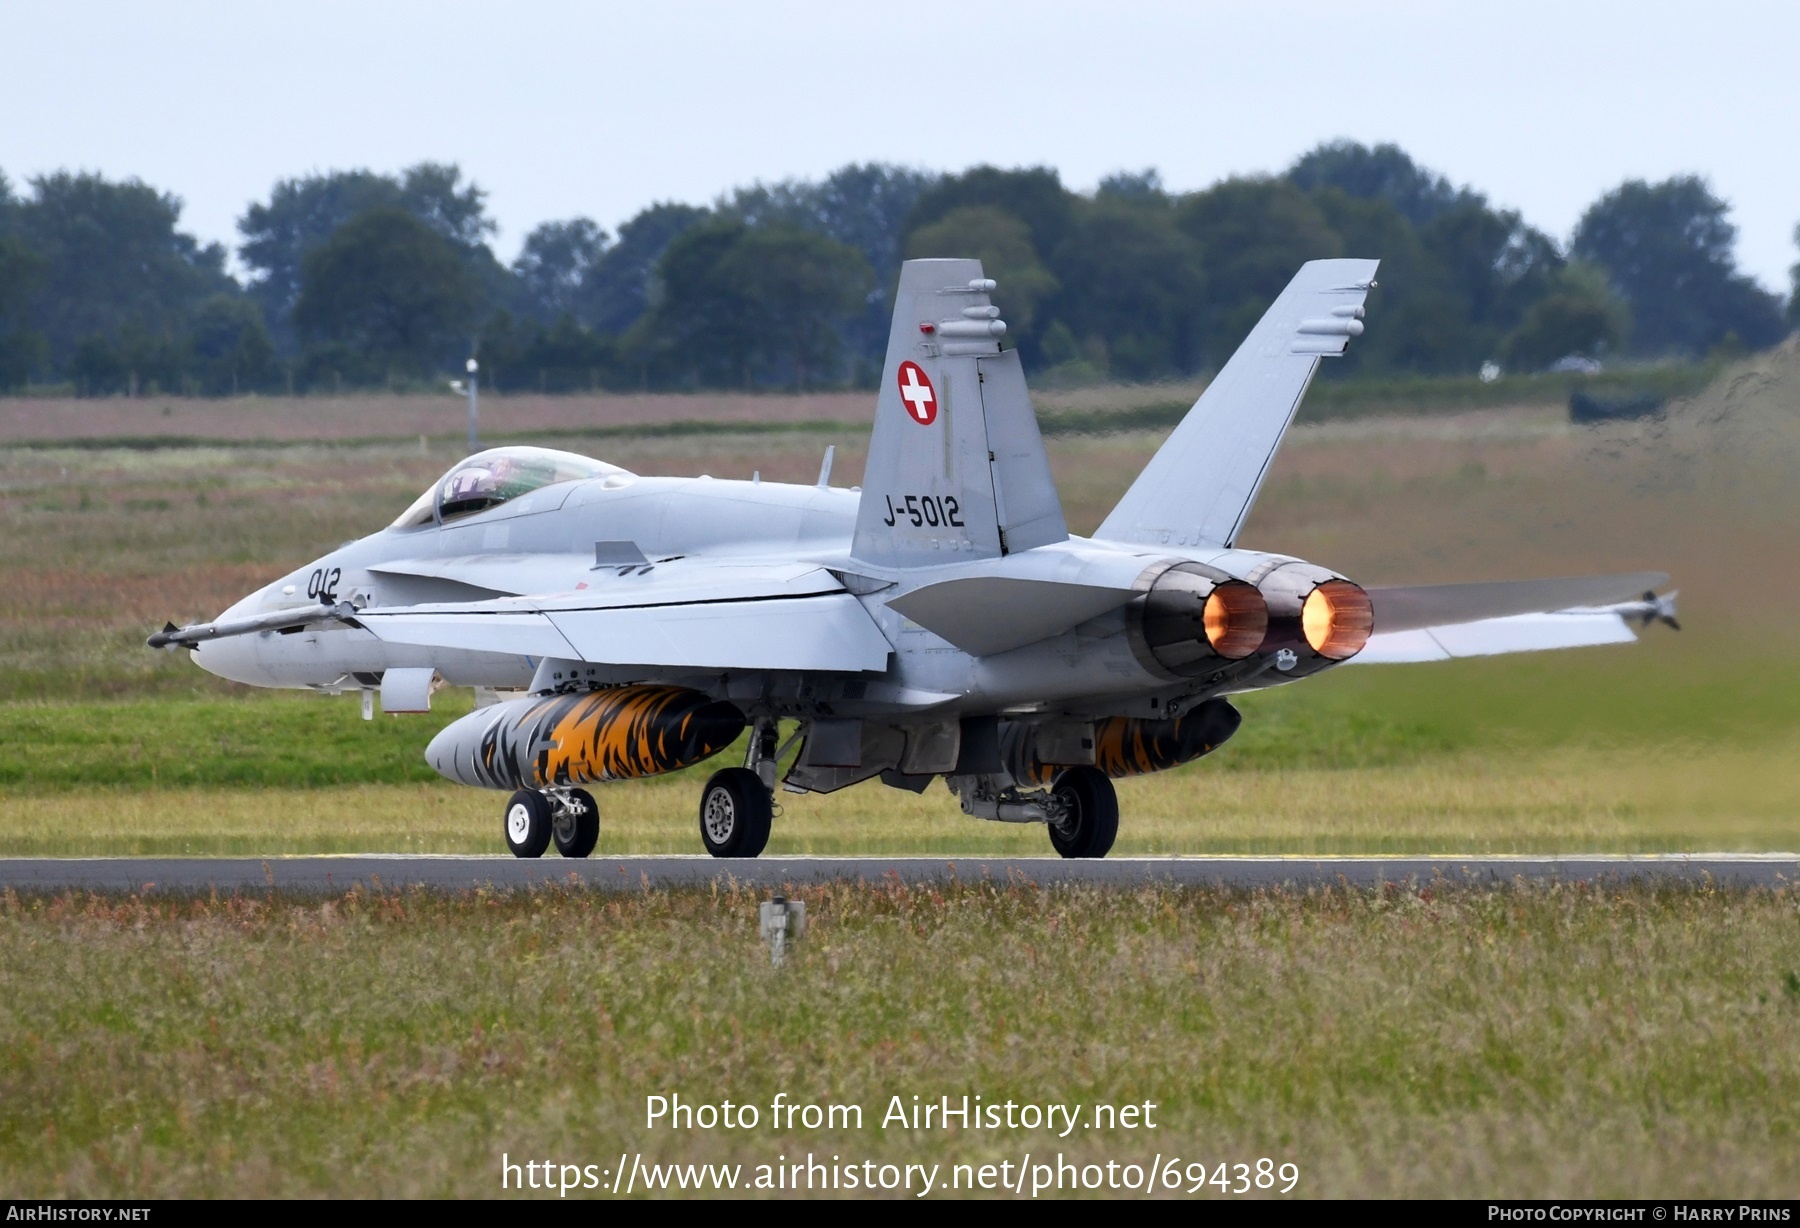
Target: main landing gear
point(1085, 817)
point(738, 804)
point(568, 818)
point(736, 810)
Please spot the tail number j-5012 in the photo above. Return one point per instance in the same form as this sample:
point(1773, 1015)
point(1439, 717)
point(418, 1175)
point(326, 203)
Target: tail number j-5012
point(922, 510)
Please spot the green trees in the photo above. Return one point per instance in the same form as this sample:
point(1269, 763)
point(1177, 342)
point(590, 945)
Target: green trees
point(387, 295)
point(1386, 173)
point(229, 346)
point(864, 205)
point(22, 347)
point(303, 213)
point(1578, 316)
point(1003, 244)
point(742, 306)
point(554, 265)
point(1667, 249)
point(113, 272)
point(361, 277)
point(1251, 234)
point(616, 292)
point(1132, 290)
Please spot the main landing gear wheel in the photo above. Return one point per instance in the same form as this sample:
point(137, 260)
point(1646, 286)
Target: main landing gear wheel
point(1091, 813)
point(735, 813)
point(576, 827)
point(528, 823)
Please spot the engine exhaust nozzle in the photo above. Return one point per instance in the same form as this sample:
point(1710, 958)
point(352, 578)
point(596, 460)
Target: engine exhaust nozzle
point(1190, 620)
point(1337, 619)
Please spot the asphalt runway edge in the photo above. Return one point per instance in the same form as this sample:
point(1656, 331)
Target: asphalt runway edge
point(333, 874)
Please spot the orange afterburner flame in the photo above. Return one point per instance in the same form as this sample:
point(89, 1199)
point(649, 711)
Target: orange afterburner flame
point(1236, 619)
point(1337, 619)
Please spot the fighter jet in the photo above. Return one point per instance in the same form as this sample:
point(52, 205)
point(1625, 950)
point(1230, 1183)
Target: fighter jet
point(940, 621)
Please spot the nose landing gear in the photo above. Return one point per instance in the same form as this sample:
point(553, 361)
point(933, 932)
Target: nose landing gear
point(568, 817)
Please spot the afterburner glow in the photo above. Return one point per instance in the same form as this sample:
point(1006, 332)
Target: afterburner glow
point(1337, 619)
point(1236, 619)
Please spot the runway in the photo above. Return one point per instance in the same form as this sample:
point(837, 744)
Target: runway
point(341, 873)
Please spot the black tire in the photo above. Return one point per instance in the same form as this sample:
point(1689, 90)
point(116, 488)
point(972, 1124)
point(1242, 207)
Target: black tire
point(1093, 809)
point(578, 831)
point(735, 814)
point(526, 822)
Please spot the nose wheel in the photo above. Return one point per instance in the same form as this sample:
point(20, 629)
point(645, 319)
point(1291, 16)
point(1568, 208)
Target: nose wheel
point(570, 820)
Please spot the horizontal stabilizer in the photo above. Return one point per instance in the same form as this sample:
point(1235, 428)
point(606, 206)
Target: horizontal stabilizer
point(1492, 636)
point(983, 615)
point(1439, 605)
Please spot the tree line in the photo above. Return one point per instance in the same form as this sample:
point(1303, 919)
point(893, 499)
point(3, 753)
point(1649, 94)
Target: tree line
point(361, 279)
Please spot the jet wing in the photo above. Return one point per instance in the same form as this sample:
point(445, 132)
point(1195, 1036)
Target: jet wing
point(727, 617)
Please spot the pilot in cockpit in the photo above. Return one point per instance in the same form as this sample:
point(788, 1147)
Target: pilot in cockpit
point(490, 478)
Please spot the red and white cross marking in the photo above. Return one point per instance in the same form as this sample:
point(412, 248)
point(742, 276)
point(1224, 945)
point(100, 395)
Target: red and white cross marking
point(917, 392)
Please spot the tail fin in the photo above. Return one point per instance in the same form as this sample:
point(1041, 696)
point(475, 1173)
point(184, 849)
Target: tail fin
point(1199, 487)
point(956, 467)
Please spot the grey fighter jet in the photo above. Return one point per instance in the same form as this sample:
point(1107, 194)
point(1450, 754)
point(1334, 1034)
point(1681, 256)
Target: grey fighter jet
point(939, 622)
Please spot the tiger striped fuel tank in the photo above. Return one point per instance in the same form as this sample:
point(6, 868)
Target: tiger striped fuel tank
point(1126, 746)
point(552, 740)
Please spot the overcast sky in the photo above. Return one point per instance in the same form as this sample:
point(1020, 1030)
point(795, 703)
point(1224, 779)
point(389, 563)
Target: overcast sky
point(563, 108)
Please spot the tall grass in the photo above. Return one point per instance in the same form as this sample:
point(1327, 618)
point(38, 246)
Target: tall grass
point(1543, 1042)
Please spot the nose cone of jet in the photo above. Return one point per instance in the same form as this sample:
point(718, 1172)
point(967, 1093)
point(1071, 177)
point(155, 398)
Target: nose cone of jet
point(236, 658)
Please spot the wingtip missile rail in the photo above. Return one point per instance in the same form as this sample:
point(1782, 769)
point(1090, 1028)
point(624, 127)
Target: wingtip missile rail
point(172, 637)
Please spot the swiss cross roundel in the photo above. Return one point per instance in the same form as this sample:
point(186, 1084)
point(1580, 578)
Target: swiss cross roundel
point(917, 394)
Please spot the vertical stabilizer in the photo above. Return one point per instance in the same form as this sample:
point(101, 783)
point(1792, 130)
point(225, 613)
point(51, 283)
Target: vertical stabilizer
point(1199, 487)
point(956, 466)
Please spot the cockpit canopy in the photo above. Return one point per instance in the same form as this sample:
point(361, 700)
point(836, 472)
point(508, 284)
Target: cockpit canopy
point(488, 479)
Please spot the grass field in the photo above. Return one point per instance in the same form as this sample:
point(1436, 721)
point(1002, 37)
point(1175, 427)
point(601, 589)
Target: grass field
point(1502, 756)
point(1552, 1042)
